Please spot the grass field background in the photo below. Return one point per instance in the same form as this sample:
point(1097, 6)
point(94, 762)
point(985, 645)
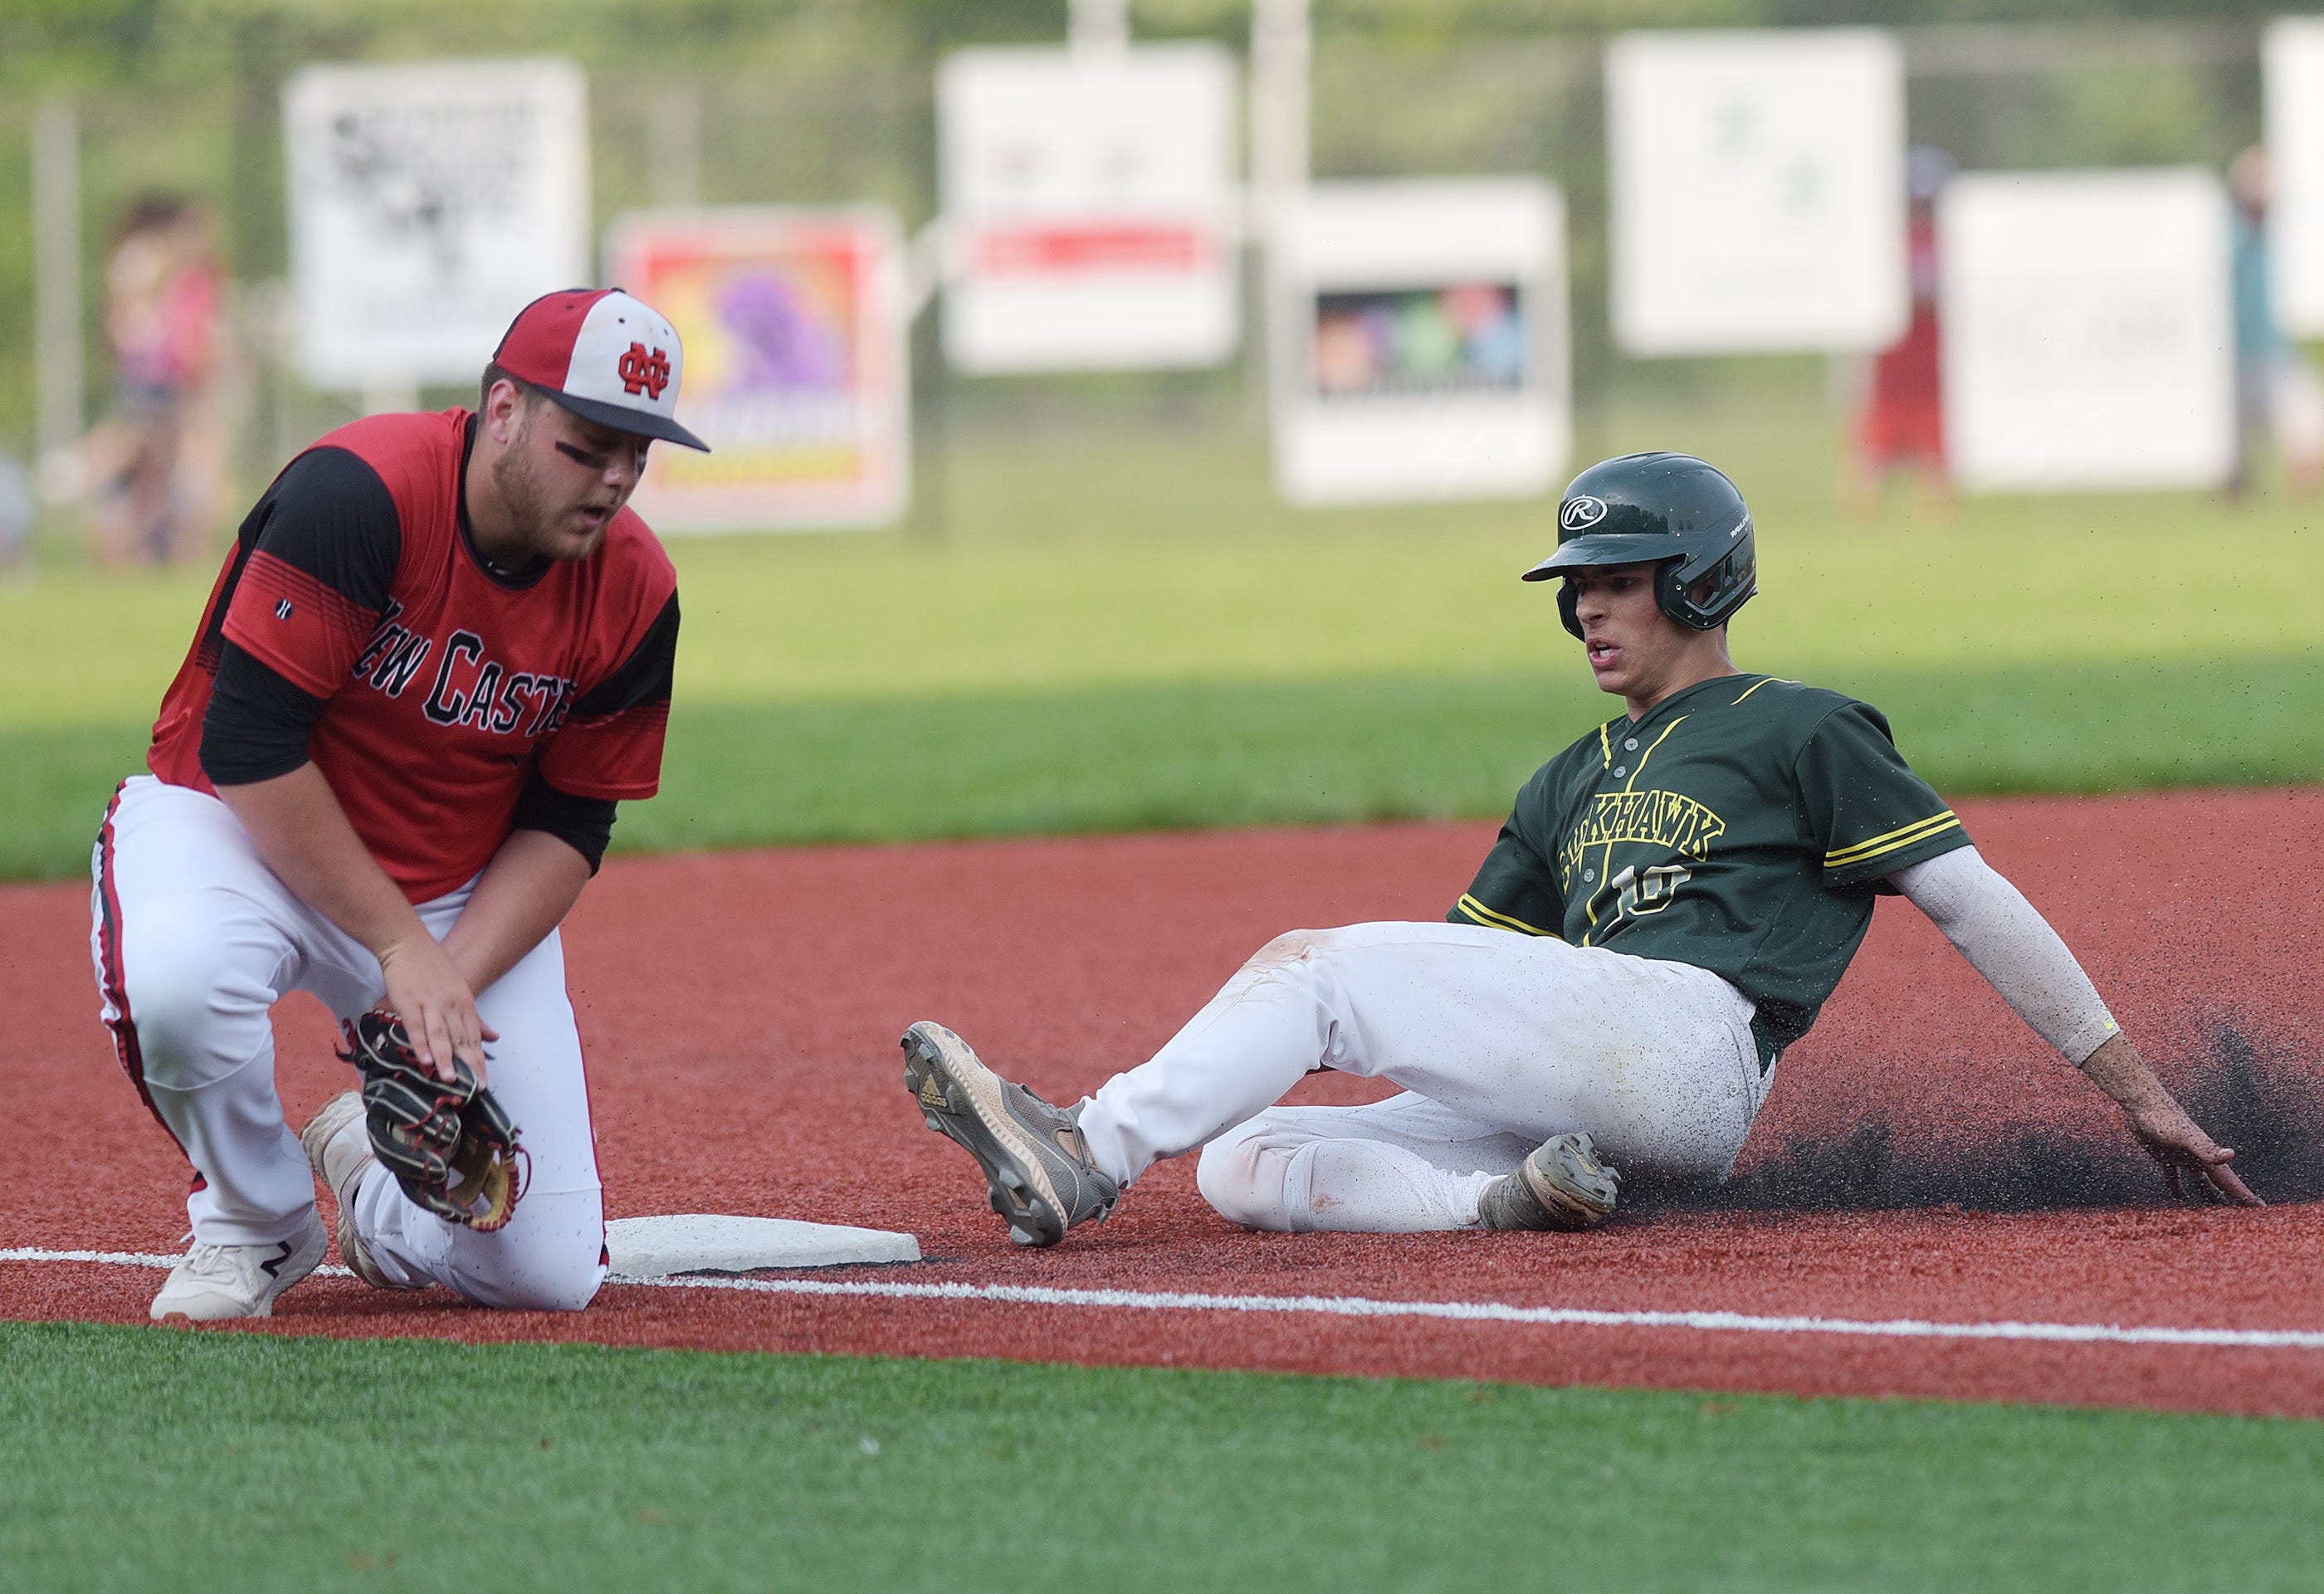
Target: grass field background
point(1102, 635)
point(1075, 635)
point(259, 1462)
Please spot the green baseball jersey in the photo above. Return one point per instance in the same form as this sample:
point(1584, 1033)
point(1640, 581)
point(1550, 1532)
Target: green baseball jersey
point(1743, 826)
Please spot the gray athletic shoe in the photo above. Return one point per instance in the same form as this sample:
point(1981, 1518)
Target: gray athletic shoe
point(1560, 1185)
point(1035, 1163)
point(338, 1148)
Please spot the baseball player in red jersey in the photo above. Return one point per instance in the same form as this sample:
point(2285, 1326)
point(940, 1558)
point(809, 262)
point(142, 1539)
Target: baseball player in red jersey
point(437, 658)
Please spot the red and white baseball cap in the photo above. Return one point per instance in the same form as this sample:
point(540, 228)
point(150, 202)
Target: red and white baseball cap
point(603, 355)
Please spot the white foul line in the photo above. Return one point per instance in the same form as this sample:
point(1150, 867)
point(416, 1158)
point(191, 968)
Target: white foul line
point(1498, 1312)
point(1358, 1306)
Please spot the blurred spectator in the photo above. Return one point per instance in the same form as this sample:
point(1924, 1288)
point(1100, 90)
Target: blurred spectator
point(2276, 388)
point(16, 512)
point(152, 473)
point(1900, 423)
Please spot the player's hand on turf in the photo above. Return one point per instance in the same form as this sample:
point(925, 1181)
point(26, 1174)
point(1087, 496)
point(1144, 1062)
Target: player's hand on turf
point(2190, 1160)
point(438, 1009)
point(2176, 1141)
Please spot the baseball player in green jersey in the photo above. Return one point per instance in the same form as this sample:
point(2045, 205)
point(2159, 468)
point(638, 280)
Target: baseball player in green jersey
point(1670, 903)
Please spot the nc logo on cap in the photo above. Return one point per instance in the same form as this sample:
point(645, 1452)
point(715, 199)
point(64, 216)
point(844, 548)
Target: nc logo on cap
point(606, 356)
point(643, 373)
point(1580, 512)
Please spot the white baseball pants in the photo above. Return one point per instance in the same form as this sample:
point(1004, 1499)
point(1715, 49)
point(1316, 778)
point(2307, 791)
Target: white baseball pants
point(195, 939)
point(1499, 1040)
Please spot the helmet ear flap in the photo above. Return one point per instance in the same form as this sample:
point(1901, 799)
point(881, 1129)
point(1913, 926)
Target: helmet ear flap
point(1725, 587)
point(1671, 597)
point(1568, 607)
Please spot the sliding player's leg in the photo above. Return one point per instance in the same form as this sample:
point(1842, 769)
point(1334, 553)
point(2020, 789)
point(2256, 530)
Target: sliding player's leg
point(1404, 1165)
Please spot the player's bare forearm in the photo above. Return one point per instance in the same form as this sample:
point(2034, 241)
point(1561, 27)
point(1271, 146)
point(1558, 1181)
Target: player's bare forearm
point(299, 827)
point(295, 823)
point(525, 892)
point(2118, 1070)
point(2176, 1141)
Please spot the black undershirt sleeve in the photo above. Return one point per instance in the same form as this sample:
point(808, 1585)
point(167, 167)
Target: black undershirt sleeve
point(643, 678)
point(329, 514)
point(584, 823)
point(257, 723)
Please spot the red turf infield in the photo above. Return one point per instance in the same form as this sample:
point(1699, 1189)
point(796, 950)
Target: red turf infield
point(741, 1012)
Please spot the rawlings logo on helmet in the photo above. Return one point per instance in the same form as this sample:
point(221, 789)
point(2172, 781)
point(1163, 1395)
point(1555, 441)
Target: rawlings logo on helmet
point(1580, 512)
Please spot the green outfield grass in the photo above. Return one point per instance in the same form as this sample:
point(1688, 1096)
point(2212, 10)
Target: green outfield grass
point(1112, 636)
point(1102, 558)
point(153, 1459)
point(1201, 753)
point(1164, 575)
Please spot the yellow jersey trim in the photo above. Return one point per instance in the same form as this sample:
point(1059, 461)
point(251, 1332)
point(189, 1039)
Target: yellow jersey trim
point(1770, 681)
point(1895, 841)
point(1606, 864)
point(1632, 783)
point(1605, 745)
point(1496, 921)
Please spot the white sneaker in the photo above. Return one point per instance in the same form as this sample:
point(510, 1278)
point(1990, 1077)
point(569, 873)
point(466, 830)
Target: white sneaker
point(217, 1282)
point(338, 1148)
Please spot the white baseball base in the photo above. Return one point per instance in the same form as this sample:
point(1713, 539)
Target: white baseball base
point(706, 1242)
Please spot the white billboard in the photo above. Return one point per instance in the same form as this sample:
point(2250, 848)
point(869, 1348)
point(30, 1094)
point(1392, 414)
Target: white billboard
point(1757, 190)
point(429, 203)
point(795, 374)
point(2086, 325)
point(1090, 201)
point(1418, 341)
point(2292, 60)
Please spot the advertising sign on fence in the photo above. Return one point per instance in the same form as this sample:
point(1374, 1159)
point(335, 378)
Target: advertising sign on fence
point(795, 373)
point(1757, 190)
point(1091, 204)
point(1418, 341)
point(2292, 60)
point(429, 203)
point(2088, 331)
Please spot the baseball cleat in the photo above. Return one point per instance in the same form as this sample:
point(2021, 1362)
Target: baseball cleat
point(338, 1148)
point(1035, 1163)
point(1560, 1185)
point(216, 1283)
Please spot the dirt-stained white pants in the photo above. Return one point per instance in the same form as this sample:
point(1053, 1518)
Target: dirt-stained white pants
point(1500, 1040)
point(195, 939)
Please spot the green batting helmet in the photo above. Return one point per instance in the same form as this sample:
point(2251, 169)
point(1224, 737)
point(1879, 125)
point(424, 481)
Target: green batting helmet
point(1671, 507)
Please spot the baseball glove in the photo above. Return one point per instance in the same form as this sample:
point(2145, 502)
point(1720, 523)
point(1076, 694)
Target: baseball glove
point(448, 1144)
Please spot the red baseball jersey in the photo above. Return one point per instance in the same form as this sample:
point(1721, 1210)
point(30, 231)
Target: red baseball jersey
point(446, 680)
